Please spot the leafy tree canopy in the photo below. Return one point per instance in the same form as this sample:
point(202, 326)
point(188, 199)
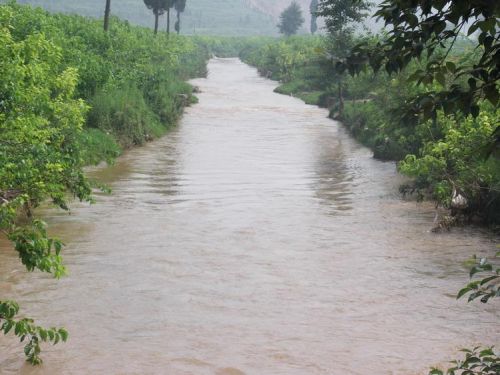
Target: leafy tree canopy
point(340, 15)
point(158, 7)
point(39, 158)
point(180, 5)
point(428, 29)
point(291, 19)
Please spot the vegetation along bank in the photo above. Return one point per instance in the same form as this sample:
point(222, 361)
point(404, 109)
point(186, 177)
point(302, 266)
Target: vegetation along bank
point(446, 156)
point(73, 95)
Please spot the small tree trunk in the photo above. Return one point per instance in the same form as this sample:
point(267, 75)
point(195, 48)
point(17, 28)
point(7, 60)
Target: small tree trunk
point(178, 22)
point(107, 12)
point(156, 22)
point(168, 21)
point(341, 100)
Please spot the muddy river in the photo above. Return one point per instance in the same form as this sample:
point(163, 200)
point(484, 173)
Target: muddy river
point(256, 238)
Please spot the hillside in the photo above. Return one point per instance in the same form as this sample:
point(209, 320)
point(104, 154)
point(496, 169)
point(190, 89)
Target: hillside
point(208, 17)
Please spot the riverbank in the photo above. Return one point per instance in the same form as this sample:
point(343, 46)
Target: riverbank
point(131, 82)
point(73, 95)
point(444, 158)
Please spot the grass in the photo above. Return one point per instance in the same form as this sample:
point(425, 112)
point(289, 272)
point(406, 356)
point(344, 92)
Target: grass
point(96, 146)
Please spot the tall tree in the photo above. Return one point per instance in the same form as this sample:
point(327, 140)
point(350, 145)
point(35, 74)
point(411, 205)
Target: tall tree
point(340, 18)
point(171, 4)
point(313, 9)
point(158, 7)
point(107, 12)
point(291, 19)
point(180, 6)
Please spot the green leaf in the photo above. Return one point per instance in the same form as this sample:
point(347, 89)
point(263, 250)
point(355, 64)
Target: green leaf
point(64, 334)
point(43, 334)
point(472, 28)
point(488, 279)
point(474, 110)
point(435, 371)
point(441, 78)
point(491, 94)
point(486, 352)
point(451, 67)
point(8, 326)
point(463, 291)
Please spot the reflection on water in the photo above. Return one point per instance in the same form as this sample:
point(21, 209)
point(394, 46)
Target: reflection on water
point(334, 176)
point(256, 238)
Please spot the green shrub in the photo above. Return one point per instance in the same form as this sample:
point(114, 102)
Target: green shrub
point(455, 163)
point(123, 112)
point(97, 146)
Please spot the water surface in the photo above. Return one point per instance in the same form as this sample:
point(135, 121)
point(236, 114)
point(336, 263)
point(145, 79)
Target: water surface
point(256, 238)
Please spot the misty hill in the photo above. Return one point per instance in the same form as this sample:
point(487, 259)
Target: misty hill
point(207, 17)
point(212, 17)
point(275, 7)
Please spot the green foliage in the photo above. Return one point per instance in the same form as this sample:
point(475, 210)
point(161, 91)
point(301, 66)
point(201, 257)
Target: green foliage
point(126, 61)
point(340, 16)
point(40, 122)
point(476, 362)
point(97, 146)
point(158, 7)
point(291, 19)
point(229, 46)
point(28, 332)
point(454, 162)
point(443, 155)
point(71, 95)
point(123, 112)
point(370, 126)
point(286, 59)
point(486, 286)
point(423, 29)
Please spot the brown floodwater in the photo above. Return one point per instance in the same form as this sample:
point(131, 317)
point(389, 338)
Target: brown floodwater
point(255, 238)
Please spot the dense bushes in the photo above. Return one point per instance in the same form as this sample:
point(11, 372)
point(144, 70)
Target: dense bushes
point(291, 60)
point(123, 112)
point(40, 122)
point(455, 163)
point(70, 95)
point(133, 81)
